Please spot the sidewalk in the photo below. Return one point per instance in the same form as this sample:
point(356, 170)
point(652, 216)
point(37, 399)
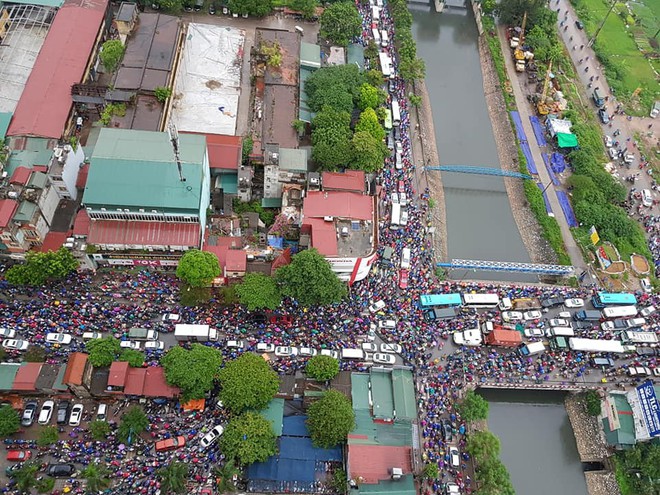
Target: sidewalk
point(524, 110)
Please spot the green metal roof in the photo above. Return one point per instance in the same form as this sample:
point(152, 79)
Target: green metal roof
point(42, 3)
point(5, 118)
point(131, 168)
point(274, 413)
point(382, 395)
point(25, 212)
point(304, 113)
point(38, 180)
point(36, 152)
point(404, 395)
point(58, 384)
point(7, 374)
point(360, 391)
point(229, 183)
point(310, 55)
point(355, 55)
point(404, 486)
point(625, 434)
point(293, 160)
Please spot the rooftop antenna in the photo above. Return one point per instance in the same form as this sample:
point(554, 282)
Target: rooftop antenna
point(174, 139)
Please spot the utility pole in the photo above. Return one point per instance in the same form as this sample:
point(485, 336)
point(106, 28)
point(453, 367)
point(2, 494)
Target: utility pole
point(591, 41)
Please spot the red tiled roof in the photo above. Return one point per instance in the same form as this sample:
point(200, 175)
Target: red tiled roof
point(82, 224)
point(225, 152)
point(338, 204)
point(149, 382)
point(134, 384)
point(45, 104)
point(143, 233)
point(75, 368)
point(40, 168)
point(81, 181)
point(53, 241)
point(27, 375)
point(118, 372)
point(20, 176)
point(219, 251)
point(351, 180)
point(236, 260)
point(324, 236)
point(7, 210)
point(372, 463)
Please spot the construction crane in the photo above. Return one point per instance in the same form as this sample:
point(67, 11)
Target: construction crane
point(517, 45)
point(541, 106)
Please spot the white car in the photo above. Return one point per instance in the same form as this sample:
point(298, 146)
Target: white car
point(398, 146)
point(211, 436)
point(574, 303)
point(7, 333)
point(18, 345)
point(330, 352)
point(390, 348)
point(454, 457)
point(533, 332)
point(76, 415)
point(286, 351)
point(614, 155)
point(512, 316)
point(171, 317)
point(369, 347)
point(559, 322)
point(382, 358)
point(92, 335)
point(468, 337)
point(566, 315)
point(389, 324)
point(532, 315)
point(58, 338)
point(263, 347)
point(452, 489)
point(646, 285)
point(235, 344)
point(129, 344)
point(608, 141)
point(376, 306)
point(154, 345)
point(307, 352)
point(403, 200)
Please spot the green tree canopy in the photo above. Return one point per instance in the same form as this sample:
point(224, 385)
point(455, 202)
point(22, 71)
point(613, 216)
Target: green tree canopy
point(331, 138)
point(133, 422)
point(330, 419)
point(335, 97)
point(431, 471)
point(511, 12)
point(173, 477)
point(198, 268)
point(247, 383)
point(102, 352)
point(412, 69)
point(368, 122)
point(592, 402)
point(369, 97)
point(483, 446)
point(111, 54)
point(322, 368)
point(26, 476)
point(258, 291)
point(47, 436)
point(99, 429)
point(340, 23)
point(41, 267)
point(368, 153)
point(309, 279)
point(10, 421)
point(225, 476)
point(97, 477)
point(248, 438)
point(494, 479)
point(347, 77)
point(640, 467)
point(257, 8)
point(134, 358)
point(193, 371)
point(473, 407)
point(306, 7)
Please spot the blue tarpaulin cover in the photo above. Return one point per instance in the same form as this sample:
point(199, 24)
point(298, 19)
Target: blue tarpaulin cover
point(524, 146)
point(548, 209)
point(558, 162)
point(567, 209)
point(548, 167)
point(538, 130)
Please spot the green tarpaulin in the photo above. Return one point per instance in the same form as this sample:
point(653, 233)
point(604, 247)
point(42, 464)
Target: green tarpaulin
point(566, 140)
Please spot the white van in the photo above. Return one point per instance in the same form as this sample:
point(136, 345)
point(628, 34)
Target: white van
point(384, 39)
point(92, 335)
point(375, 14)
point(560, 332)
point(647, 199)
point(376, 35)
point(531, 348)
point(649, 310)
point(352, 354)
point(405, 258)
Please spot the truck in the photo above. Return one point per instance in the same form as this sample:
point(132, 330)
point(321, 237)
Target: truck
point(136, 333)
point(195, 333)
point(595, 345)
point(633, 337)
point(531, 348)
point(504, 338)
point(441, 314)
point(489, 326)
point(526, 303)
point(587, 315)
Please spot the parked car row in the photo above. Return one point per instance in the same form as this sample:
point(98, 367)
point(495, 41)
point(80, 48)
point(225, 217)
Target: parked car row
point(64, 413)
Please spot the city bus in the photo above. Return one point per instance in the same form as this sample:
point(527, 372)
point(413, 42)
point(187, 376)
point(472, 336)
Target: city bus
point(595, 345)
point(395, 221)
point(431, 300)
point(481, 300)
point(604, 299)
point(385, 64)
point(388, 119)
point(396, 113)
point(619, 312)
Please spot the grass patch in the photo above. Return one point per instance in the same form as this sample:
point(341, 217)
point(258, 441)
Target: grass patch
point(626, 68)
point(621, 479)
point(498, 58)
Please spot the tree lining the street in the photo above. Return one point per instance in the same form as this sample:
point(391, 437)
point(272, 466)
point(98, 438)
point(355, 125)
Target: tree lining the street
point(193, 371)
point(330, 419)
point(247, 383)
point(198, 268)
point(42, 267)
point(248, 438)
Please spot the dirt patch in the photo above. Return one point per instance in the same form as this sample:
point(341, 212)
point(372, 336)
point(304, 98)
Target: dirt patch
point(213, 84)
point(639, 264)
point(616, 267)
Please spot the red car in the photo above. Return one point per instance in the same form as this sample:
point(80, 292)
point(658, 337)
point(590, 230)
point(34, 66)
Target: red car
point(403, 279)
point(19, 455)
point(281, 320)
point(170, 444)
point(401, 186)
